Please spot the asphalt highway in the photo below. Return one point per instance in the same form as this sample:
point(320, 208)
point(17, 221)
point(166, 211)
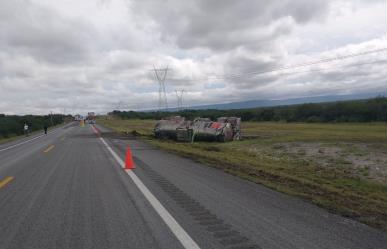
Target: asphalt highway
point(68, 189)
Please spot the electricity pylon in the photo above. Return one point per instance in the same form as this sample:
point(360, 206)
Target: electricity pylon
point(179, 95)
point(161, 75)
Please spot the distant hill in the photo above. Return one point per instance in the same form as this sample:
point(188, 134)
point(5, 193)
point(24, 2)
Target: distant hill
point(336, 110)
point(268, 103)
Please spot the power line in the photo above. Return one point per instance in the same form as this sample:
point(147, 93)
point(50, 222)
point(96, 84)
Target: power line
point(332, 68)
point(322, 61)
point(162, 73)
point(337, 58)
point(336, 67)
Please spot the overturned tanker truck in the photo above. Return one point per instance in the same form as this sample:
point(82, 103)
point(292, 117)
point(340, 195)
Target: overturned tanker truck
point(200, 129)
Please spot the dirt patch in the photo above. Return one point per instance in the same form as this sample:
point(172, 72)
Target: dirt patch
point(367, 161)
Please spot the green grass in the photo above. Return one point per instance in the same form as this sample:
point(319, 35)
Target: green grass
point(343, 132)
point(144, 127)
point(9, 139)
point(12, 138)
point(260, 159)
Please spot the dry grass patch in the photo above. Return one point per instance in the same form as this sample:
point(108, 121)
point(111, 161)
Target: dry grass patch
point(340, 167)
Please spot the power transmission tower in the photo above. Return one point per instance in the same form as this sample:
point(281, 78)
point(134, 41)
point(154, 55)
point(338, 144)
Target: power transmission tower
point(119, 105)
point(161, 75)
point(52, 123)
point(179, 95)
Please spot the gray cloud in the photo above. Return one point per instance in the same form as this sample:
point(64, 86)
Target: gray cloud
point(228, 24)
point(30, 29)
point(83, 55)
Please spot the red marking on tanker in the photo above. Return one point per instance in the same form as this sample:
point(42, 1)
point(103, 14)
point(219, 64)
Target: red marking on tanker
point(216, 125)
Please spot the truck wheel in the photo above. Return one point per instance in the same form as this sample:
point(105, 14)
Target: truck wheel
point(221, 138)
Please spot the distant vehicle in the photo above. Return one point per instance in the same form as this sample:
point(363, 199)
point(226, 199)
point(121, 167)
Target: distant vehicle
point(203, 129)
point(78, 117)
point(90, 118)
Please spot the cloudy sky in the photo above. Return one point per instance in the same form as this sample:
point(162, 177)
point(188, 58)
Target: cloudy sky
point(97, 55)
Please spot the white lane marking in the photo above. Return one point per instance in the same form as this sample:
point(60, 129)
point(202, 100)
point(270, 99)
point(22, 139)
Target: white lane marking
point(16, 145)
point(175, 227)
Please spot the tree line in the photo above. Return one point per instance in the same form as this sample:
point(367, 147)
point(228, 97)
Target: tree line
point(12, 125)
point(369, 110)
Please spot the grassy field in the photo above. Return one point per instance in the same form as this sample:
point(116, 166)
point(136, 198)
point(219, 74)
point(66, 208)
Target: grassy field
point(9, 139)
point(341, 167)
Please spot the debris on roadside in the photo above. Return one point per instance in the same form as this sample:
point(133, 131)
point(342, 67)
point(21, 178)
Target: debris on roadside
point(200, 129)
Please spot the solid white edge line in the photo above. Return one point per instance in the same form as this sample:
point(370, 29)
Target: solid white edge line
point(15, 145)
point(24, 142)
point(175, 227)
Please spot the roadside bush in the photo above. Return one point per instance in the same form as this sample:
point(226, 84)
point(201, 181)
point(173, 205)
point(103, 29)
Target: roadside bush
point(11, 125)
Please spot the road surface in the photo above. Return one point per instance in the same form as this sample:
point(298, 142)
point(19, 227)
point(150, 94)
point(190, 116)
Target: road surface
point(68, 190)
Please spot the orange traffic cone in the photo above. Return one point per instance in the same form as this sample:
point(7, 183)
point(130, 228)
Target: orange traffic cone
point(129, 164)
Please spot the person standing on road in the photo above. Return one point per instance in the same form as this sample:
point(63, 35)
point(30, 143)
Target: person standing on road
point(26, 131)
point(45, 129)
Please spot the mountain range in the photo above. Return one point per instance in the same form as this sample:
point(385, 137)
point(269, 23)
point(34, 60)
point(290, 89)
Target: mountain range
point(280, 102)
